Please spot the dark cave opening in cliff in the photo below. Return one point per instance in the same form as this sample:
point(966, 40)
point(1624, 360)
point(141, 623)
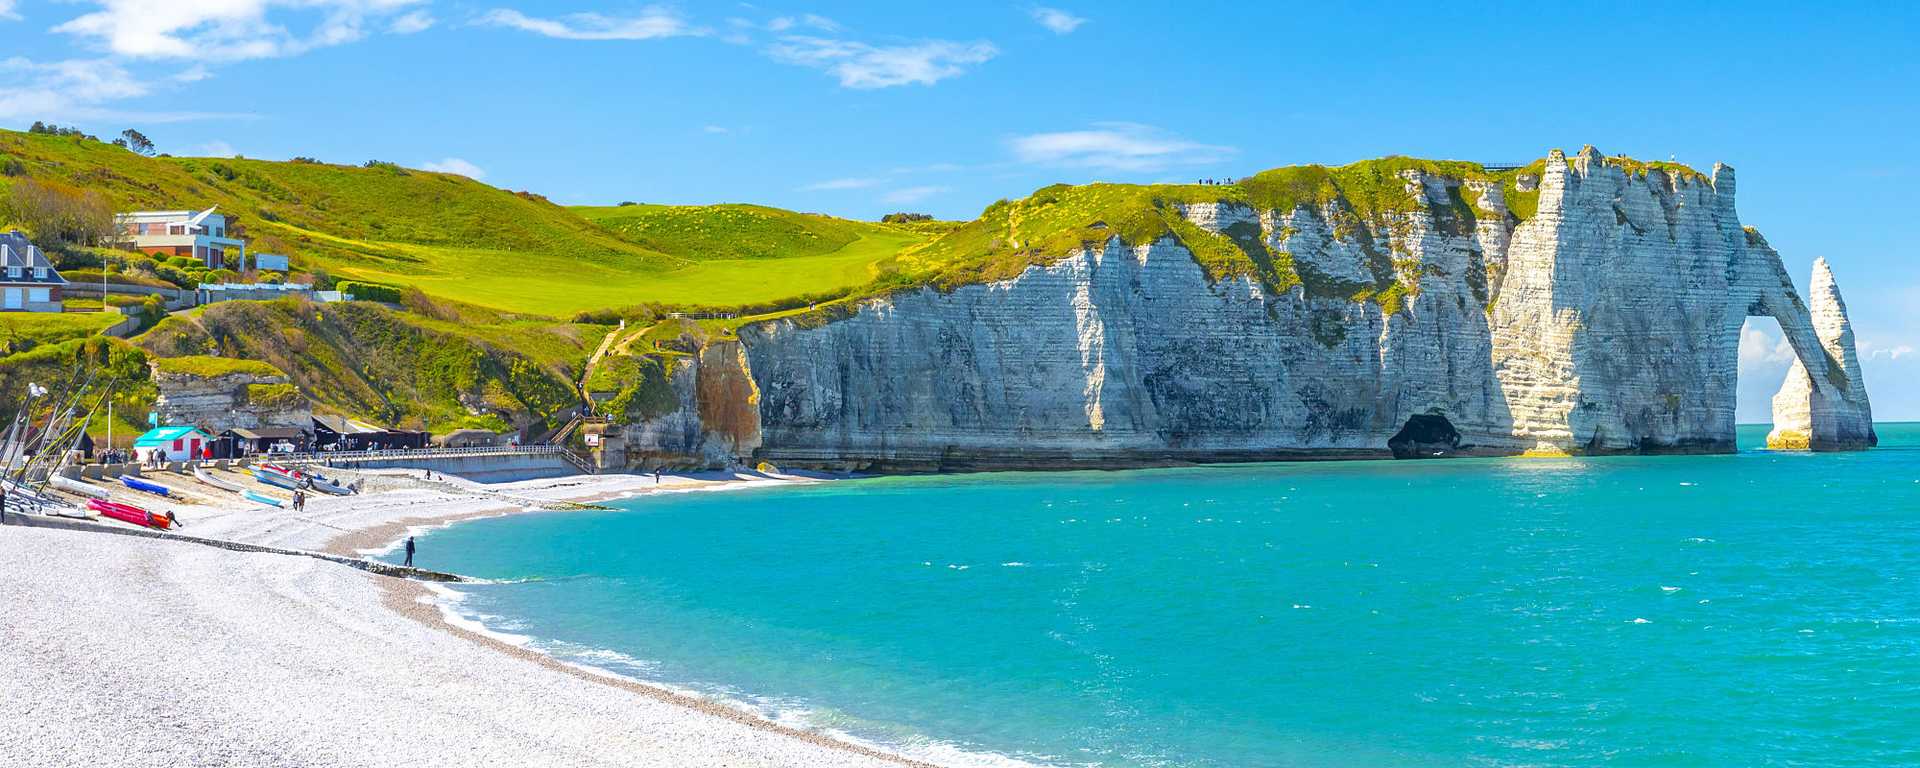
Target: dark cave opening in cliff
point(1424, 436)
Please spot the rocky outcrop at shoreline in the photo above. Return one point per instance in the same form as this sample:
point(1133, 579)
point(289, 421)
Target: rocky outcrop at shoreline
point(239, 399)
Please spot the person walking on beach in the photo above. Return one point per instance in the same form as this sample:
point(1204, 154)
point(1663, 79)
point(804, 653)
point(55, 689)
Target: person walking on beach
point(409, 562)
point(299, 501)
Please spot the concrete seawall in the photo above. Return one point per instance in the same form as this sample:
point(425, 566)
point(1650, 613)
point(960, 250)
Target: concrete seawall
point(484, 468)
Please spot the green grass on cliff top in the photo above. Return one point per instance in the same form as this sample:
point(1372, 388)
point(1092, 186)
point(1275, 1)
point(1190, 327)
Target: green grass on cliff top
point(1012, 235)
point(20, 330)
point(460, 239)
point(208, 366)
point(731, 232)
point(463, 240)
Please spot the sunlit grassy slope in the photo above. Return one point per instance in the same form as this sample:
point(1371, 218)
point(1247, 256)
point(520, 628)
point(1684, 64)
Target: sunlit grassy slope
point(463, 240)
point(21, 330)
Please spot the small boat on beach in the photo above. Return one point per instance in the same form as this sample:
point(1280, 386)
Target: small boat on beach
point(293, 479)
point(278, 479)
point(70, 485)
point(261, 498)
point(128, 513)
point(143, 486)
point(324, 485)
point(201, 474)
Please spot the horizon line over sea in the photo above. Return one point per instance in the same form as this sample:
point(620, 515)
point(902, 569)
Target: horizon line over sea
point(1500, 611)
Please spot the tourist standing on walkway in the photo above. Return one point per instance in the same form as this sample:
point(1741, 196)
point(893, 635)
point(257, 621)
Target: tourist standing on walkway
point(409, 562)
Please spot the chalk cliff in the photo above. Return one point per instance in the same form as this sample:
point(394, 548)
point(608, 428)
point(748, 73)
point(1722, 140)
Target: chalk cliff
point(233, 400)
point(1603, 316)
point(1807, 417)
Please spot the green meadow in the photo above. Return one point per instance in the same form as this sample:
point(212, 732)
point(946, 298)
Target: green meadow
point(462, 240)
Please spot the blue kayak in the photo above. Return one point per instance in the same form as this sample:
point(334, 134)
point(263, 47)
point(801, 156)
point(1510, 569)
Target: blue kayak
point(263, 499)
point(141, 485)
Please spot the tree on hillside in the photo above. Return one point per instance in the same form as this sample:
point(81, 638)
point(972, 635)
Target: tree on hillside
point(135, 141)
point(57, 130)
point(59, 213)
point(905, 218)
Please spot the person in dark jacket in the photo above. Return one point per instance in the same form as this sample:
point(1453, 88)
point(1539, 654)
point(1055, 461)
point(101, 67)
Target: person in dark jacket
point(409, 562)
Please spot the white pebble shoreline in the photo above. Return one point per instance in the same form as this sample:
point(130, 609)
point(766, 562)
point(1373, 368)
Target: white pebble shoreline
point(120, 651)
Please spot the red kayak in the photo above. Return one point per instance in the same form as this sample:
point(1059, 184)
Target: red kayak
point(129, 513)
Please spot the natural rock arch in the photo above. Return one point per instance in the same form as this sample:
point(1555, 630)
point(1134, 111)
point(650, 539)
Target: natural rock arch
point(1830, 411)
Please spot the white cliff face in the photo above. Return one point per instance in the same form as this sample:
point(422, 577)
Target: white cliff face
point(1606, 322)
point(1837, 417)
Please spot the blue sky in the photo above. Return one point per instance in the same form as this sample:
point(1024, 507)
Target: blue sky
point(858, 109)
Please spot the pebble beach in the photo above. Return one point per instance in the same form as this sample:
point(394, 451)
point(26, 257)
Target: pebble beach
point(123, 651)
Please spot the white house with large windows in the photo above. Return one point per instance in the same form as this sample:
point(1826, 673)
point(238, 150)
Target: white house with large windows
point(29, 283)
point(203, 235)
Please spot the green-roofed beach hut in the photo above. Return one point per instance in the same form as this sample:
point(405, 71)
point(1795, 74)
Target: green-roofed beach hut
point(172, 444)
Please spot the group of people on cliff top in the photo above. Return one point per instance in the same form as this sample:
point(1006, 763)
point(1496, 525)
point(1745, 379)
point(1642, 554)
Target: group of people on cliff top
point(1214, 182)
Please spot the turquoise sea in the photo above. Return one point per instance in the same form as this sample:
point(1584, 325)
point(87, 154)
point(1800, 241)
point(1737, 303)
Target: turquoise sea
point(1738, 610)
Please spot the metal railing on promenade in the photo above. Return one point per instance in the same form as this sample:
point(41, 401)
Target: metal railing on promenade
point(337, 458)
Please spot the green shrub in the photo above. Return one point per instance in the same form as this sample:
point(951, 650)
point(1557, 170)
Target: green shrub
point(385, 294)
point(645, 386)
point(274, 395)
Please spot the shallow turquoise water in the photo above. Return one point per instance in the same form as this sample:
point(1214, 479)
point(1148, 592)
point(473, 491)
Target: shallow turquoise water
point(1709, 610)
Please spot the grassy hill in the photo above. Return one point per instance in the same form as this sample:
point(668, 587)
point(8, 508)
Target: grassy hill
point(460, 239)
point(751, 254)
point(470, 370)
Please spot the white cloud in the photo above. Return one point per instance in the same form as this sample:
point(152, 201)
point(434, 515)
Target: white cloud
point(910, 195)
point(1059, 21)
point(417, 21)
point(836, 184)
point(217, 149)
point(1870, 351)
point(1761, 350)
point(1116, 146)
point(650, 23)
point(717, 129)
point(7, 12)
point(810, 21)
point(193, 74)
point(860, 65)
point(62, 88)
point(457, 166)
point(225, 30)
point(80, 89)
